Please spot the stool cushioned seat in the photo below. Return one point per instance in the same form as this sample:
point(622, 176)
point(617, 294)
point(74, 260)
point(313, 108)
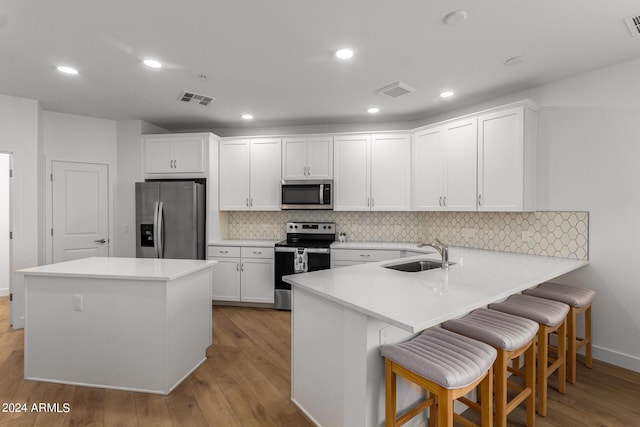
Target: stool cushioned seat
point(572, 295)
point(495, 328)
point(446, 358)
point(544, 311)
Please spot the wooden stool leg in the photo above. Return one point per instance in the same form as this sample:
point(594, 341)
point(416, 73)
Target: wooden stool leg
point(445, 409)
point(562, 356)
point(390, 394)
point(543, 359)
point(571, 345)
point(530, 364)
point(433, 416)
point(486, 396)
point(500, 385)
point(587, 336)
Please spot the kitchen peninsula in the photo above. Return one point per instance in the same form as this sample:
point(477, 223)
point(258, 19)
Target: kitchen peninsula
point(341, 316)
point(123, 323)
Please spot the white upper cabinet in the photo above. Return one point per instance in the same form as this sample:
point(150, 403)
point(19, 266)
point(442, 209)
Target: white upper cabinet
point(250, 174)
point(176, 154)
point(460, 142)
point(372, 172)
point(444, 166)
point(307, 158)
point(506, 160)
point(428, 170)
point(391, 172)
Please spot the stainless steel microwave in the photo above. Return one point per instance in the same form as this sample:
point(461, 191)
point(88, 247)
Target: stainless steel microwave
point(307, 194)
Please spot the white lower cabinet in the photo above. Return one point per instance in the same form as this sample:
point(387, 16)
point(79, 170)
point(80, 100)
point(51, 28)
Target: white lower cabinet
point(243, 274)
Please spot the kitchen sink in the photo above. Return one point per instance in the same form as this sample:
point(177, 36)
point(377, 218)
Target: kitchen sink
point(416, 266)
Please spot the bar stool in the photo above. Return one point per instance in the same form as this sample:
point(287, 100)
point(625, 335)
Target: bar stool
point(579, 301)
point(511, 336)
point(445, 364)
point(550, 316)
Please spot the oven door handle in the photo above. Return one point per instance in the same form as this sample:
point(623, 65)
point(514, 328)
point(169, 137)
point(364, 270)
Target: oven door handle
point(309, 250)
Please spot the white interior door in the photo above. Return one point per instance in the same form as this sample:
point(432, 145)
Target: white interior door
point(80, 204)
point(5, 246)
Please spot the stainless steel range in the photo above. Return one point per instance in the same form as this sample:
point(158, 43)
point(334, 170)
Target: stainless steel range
point(306, 249)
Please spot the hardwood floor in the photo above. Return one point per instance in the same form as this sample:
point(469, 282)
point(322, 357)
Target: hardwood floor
point(246, 382)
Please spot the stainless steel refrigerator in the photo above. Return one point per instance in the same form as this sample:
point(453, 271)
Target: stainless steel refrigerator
point(170, 220)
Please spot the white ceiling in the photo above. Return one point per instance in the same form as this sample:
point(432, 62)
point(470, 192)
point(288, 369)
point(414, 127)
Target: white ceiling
point(275, 58)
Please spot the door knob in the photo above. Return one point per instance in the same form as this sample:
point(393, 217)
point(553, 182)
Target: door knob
point(100, 241)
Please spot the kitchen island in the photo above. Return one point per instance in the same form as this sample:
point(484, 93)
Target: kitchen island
point(341, 316)
point(122, 323)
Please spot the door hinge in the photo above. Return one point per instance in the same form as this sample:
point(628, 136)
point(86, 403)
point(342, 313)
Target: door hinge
point(52, 231)
point(10, 173)
point(51, 177)
point(10, 297)
point(10, 235)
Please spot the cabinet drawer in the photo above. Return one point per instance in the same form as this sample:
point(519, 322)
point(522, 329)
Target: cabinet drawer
point(223, 251)
point(256, 252)
point(363, 255)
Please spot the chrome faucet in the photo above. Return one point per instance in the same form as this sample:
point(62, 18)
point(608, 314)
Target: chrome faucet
point(442, 249)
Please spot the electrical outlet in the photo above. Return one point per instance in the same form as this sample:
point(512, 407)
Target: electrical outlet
point(77, 302)
point(384, 335)
point(469, 232)
point(526, 236)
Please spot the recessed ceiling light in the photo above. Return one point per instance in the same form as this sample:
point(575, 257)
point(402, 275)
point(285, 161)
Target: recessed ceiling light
point(67, 70)
point(247, 116)
point(373, 110)
point(514, 61)
point(344, 53)
point(446, 94)
point(152, 63)
point(456, 17)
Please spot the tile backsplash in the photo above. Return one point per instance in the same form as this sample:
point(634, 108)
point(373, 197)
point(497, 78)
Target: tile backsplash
point(559, 234)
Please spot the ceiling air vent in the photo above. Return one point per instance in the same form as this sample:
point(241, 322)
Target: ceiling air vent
point(633, 23)
point(395, 90)
point(196, 98)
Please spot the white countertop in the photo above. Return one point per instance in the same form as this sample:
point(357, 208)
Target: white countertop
point(121, 268)
point(417, 301)
point(238, 242)
point(394, 246)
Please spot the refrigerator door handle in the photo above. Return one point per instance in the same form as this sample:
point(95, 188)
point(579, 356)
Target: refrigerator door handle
point(160, 236)
point(155, 230)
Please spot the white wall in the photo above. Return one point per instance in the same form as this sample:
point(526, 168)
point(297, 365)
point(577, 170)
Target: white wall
point(69, 137)
point(4, 223)
point(130, 171)
point(19, 126)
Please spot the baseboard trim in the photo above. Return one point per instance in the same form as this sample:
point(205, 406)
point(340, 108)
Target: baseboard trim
point(4, 292)
point(616, 358)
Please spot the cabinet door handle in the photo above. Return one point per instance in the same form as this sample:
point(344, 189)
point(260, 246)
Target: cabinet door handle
point(365, 255)
point(175, 164)
point(479, 199)
point(237, 266)
point(372, 202)
point(444, 201)
point(251, 202)
point(440, 201)
point(224, 252)
point(257, 252)
point(247, 202)
point(368, 202)
point(242, 266)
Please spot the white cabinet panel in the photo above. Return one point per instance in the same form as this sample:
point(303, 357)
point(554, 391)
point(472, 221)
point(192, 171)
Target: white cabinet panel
point(176, 154)
point(257, 280)
point(234, 175)
point(428, 175)
point(225, 279)
point(307, 157)
point(320, 161)
point(250, 174)
point(506, 160)
point(265, 174)
point(352, 166)
point(460, 144)
point(391, 172)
